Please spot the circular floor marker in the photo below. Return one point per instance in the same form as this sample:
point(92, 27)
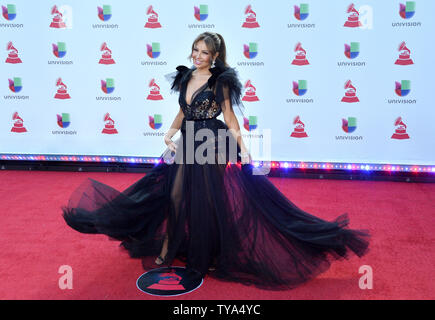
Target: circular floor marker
point(168, 281)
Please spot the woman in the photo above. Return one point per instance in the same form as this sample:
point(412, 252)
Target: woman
point(200, 206)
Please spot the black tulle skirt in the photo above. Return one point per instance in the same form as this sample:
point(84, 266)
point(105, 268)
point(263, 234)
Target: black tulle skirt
point(221, 219)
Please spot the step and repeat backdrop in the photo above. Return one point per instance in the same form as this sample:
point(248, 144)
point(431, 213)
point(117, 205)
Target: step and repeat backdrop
point(324, 81)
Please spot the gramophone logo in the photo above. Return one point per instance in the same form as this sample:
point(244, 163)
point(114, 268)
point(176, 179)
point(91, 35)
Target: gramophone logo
point(404, 55)
point(351, 51)
point(301, 12)
point(109, 126)
point(407, 10)
point(353, 17)
point(15, 84)
point(251, 18)
point(201, 12)
point(300, 58)
point(250, 93)
point(400, 131)
point(9, 12)
point(155, 122)
point(62, 92)
point(18, 124)
point(57, 21)
point(300, 87)
point(250, 123)
point(63, 120)
point(350, 94)
point(12, 54)
point(153, 19)
point(403, 88)
point(154, 91)
point(299, 129)
point(108, 85)
point(250, 51)
point(349, 124)
point(105, 12)
point(59, 49)
point(106, 56)
point(153, 50)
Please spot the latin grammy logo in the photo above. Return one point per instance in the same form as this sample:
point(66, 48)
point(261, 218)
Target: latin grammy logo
point(18, 123)
point(250, 93)
point(57, 21)
point(251, 18)
point(106, 57)
point(299, 130)
point(62, 92)
point(350, 94)
point(109, 127)
point(400, 132)
point(168, 281)
point(353, 17)
point(153, 19)
point(404, 55)
point(154, 91)
point(300, 58)
point(12, 54)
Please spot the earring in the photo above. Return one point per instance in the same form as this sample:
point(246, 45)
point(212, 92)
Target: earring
point(213, 65)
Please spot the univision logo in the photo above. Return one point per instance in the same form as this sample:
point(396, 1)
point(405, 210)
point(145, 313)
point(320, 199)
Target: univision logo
point(59, 49)
point(300, 87)
point(153, 50)
point(155, 122)
point(201, 12)
point(63, 120)
point(301, 12)
point(349, 124)
point(403, 88)
point(250, 123)
point(250, 51)
point(105, 12)
point(15, 84)
point(108, 85)
point(407, 10)
point(351, 51)
point(9, 12)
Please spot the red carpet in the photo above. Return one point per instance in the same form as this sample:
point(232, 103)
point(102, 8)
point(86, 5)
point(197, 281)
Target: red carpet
point(35, 242)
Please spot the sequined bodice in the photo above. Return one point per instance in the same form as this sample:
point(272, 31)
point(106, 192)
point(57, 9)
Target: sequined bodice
point(202, 106)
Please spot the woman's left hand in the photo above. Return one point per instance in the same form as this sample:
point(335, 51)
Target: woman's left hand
point(245, 158)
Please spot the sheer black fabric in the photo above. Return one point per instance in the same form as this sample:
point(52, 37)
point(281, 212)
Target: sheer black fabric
point(217, 214)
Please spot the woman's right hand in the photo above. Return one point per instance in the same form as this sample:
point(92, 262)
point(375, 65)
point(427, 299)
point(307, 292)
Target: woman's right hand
point(171, 145)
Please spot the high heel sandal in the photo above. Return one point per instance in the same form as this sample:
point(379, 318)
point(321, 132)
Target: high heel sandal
point(159, 258)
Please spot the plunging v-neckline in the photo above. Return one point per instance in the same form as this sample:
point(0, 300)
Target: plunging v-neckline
point(185, 93)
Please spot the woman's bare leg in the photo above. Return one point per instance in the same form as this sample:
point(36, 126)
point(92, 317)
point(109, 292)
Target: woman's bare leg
point(176, 200)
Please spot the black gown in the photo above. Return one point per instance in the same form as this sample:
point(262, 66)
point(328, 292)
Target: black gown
point(221, 219)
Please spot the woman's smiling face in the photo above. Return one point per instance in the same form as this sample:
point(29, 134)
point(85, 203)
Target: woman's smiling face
point(201, 55)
